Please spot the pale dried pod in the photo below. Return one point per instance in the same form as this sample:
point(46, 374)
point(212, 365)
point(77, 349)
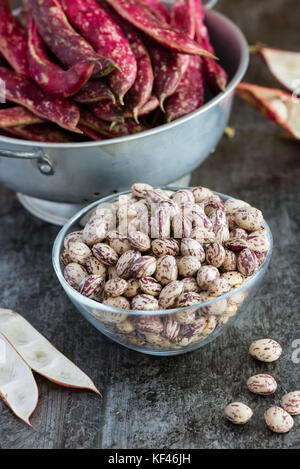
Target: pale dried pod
point(144, 302)
point(170, 293)
point(262, 384)
point(73, 238)
point(119, 243)
point(229, 263)
point(165, 247)
point(91, 286)
point(93, 266)
point(133, 288)
point(238, 413)
point(125, 262)
point(207, 274)
point(140, 189)
point(247, 263)
point(139, 240)
point(115, 287)
point(191, 247)
point(232, 205)
point(94, 231)
point(150, 286)
point(166, 270)
point(278, 420)
point(290, 402)
point(201, 193)
point(188, 266)
point(144, 266)
point(148, 324)
point(74, 274)
point(79, 252)
point(249, 218)
point(215, 254)
point(265, 350)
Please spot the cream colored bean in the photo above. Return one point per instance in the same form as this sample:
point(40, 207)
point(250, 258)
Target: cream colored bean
point(262, 384)
point(201, 193)
point(166, 270)
point(105, 254)
point(206, 275)
point(258, 241)
point(191, 247)
point(125, 327)
point(144, 302)
point(235, 279)
point(118, 302)
point(188, 266)
point(169, 294)
point(171, 327)
point(182, 195)
point(202, 235)
point(278, 420)
point(116, 287)
point(247, 262)
point(150, 286)
point(215, 254)
point(133, 288)
point(190, 285)
point(249, 218)
point(149, 324)
point(291, 402)
point(229, 263)
point(218, 287)
point(238, 413)
point(94, 231)
point(232, 205)
point(265, 350)
point(79, 252)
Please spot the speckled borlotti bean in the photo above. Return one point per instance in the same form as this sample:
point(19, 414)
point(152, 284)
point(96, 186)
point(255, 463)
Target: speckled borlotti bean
point(144, 266)
point(165, 247)
point(218, 287)
point(291, 402)
point(238, 413)
point(201, 193)
point(154, 196)
point(222, 234)
point(73, 238)
point(117, 302)
point(125, 327)
point(144, 302)
point(191, 247)
point(265, 350)
point(232, 205)
point(182, 195)
point(213, 202)
point(149, 324)
point(217, 218)
point(236, 244)
point(249, 218)
point(207, 274)
point(105, 254)
point(278, 420)
point(125, 262)
point(170, 293)
point(140, 189)
point(258, 241)
point(188, 266)
point(203, 236)
point(133, 288)
point(215, 254)
point(94, 231)
point(247, 263)
point(216, 308)
point(91, 286)
point(166, 270)
point(211, 324)
point(262, 384)
point(65, 258)
point(74, 274)
point(79, 252)
point(139, 241)
point(150, 286)
point(116, 287)
point(182, 226)
point(171, 327)
point(229, 263)
point(112, 272)
point(192, 332)
point(190, 285)
point(239, 233)
point(93, 266)
point(119, 243)
point(234, 278)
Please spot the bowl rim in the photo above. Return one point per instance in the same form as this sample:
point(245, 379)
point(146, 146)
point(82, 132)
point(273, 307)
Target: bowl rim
point(95, 305)
point(161, 128)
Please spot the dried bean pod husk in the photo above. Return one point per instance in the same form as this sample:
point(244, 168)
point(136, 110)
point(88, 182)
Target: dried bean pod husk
point(49, 76)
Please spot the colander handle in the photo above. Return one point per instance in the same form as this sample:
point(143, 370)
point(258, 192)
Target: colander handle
point(44, 163)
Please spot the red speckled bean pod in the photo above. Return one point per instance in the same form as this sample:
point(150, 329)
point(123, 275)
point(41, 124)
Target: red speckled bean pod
point(13, 43)
point(49, 76)
point(160, 9)
point(94, 91)
point(41, 133)
point(189, 95)
point(20, 89)
point(139, 14)
point(92, 134)
point(183, 19)
point(104, 128)
point(215, 75)
point(15, 116)
point(62, 39)
point(108, 111)
point(95, 24)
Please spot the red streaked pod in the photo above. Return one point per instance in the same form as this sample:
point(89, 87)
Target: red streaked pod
point(214, 74)
point(17, 115)
point(108, 111)
point(189, 95)
point(45, 132)
point(183, 19)
point(49, 76)
point(13, 42)
point(94, 91)
point(18, 388)
point(141, 16)
point(68, 46)
point(108, 39)
point(116, 129)
point(25, 12)
point(160, 9)
point(92, 134)
point(40, 354)
point(20, 89)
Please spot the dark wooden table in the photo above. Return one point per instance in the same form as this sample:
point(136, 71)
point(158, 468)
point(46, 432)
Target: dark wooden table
point(175, 402)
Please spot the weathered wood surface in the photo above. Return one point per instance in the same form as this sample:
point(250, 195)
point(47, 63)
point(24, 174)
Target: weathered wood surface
point(173, 402)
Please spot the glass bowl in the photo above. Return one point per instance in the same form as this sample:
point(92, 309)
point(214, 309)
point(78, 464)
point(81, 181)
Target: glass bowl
point(142, 330)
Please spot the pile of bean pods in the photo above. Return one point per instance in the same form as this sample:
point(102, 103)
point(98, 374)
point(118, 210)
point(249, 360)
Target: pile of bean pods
point(80, 70)
point(155, 250)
